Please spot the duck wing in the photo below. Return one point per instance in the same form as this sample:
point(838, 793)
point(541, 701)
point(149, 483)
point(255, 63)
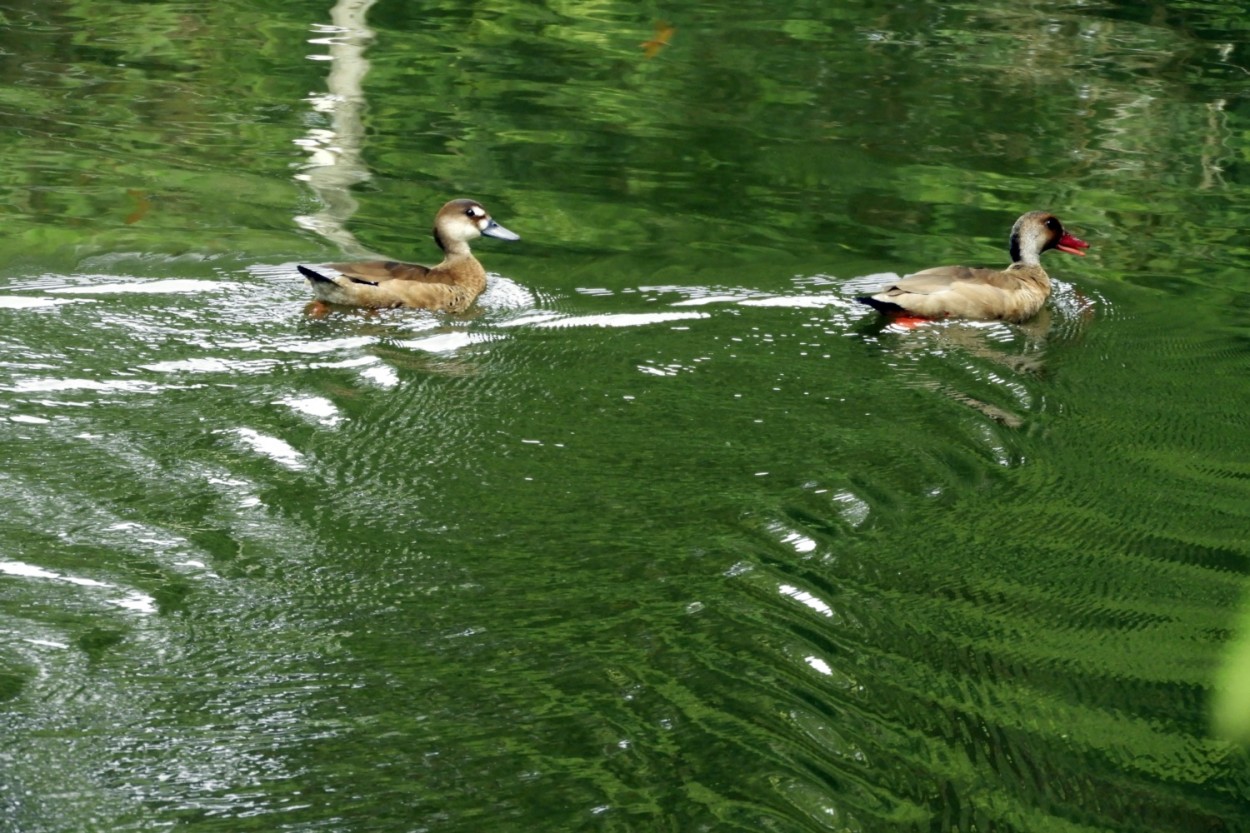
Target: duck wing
point(351, 291)
point(383, 270)
point(962, 292)
point(947, 278)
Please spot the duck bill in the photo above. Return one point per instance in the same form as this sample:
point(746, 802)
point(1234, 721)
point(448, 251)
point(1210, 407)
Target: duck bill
point(1072, 245)
point(496, 230)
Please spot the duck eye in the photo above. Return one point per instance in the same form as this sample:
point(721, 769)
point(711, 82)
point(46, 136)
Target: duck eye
point(473, 211)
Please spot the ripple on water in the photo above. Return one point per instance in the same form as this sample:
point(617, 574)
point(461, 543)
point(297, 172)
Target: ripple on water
point(158, 287)
point(893, 624)
point(968, 683)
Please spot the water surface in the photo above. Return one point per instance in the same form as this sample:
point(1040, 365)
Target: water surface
point(669, 533)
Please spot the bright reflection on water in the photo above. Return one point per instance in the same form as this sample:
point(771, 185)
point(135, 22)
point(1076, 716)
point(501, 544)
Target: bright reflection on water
point(668, 533)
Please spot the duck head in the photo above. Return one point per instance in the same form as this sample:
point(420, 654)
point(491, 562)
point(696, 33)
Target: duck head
point(1038, 231)
point(460, 221)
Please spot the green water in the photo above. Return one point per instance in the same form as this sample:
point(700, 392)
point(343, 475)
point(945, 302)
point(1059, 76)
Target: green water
point(668, 534)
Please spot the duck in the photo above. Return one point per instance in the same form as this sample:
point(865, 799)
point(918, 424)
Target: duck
point(450, 286)
point(1014, 294)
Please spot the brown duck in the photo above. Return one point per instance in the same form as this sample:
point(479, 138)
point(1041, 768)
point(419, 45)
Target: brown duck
point(451, 286)
point(1013, 294)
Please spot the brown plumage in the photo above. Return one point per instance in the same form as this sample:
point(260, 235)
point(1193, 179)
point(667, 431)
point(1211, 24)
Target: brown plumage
point(1012, 294)
point(450, 286)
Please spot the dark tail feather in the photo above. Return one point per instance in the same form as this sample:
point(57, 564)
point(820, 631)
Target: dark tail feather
point(315, 277)
point(885, 307)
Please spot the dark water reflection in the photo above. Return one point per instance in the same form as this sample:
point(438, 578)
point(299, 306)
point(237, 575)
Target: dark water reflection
point(668, 534)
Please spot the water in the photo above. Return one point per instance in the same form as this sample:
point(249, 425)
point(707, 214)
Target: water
point(669, 534)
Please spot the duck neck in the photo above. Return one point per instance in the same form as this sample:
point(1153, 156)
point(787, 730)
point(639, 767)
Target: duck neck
point(451, 248)
point(1024, 255)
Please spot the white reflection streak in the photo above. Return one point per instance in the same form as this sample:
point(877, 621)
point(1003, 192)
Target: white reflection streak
point(18, 568)
point(172, 285)
point(806, 598)
point(854, 509)
point(444, 342)
point(611, 319)
point(61, 385)
point(799, 301)
point(133, 600)
point(334, 165)
point(818, 664)
point(381, 375)
point(21, 302)
point(797, 541)
point(318, 407)
point(275, 449)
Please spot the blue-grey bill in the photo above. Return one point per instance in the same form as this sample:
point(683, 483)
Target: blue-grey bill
point(496, 230)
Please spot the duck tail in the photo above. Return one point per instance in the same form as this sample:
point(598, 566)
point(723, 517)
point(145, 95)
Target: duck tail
point(315, 277)
point(326, 288)
point(886, 307)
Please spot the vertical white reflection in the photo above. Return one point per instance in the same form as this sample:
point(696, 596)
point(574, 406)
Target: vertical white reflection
point(334, 164)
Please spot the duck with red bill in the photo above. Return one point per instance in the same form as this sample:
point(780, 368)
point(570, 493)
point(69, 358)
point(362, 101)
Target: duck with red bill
point(1012, 294)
